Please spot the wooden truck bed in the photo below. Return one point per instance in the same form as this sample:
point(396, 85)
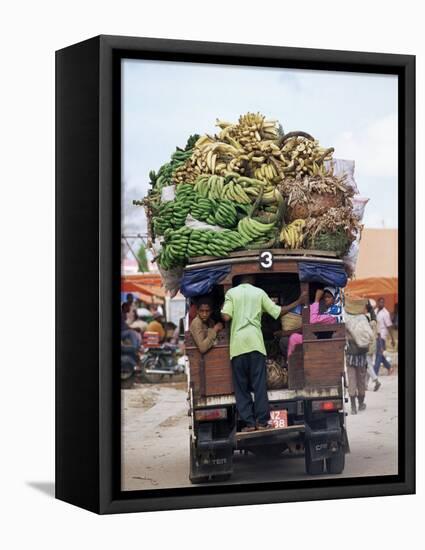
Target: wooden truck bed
point(314, 367)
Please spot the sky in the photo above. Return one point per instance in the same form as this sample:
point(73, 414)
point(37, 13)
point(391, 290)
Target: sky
point(164, 102)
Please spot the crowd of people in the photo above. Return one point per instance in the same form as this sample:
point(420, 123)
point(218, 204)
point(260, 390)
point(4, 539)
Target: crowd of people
point(139, 319)
point(367, 329)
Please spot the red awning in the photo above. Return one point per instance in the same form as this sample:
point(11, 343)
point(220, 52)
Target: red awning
point(141, 291)
point(375, 287)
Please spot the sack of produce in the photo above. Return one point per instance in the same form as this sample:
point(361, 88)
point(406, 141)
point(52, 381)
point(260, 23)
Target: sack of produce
point(277, 376)
point(350, 258)
point(359, 329)
point(168, 193)
point(354, 305)
point(343, 167)
point(359, 205)
point(196, 224)
point(171, 279)
point(291, 321)
point(317, 205)
point(311, 196)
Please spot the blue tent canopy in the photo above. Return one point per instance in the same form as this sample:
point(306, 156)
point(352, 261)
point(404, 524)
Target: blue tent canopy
point(200, 281)
point(327, 274)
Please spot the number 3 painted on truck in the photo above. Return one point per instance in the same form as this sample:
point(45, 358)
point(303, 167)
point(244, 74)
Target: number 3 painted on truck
point(266, 259)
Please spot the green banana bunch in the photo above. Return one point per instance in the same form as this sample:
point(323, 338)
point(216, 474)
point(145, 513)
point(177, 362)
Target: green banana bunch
point(174, 247)
point(165, 173)
point(253, 230)
point(205, 242)
point(183, 243)
point(241, 190)
point(174, 213)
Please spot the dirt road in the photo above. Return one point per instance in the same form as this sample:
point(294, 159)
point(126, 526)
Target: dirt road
point(156, 452)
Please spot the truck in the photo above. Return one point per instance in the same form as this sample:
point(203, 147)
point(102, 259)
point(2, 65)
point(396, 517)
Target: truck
point(308, 413)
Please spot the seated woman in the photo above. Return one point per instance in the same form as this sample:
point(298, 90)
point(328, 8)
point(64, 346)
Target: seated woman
point(321, 311)
point(203, 329)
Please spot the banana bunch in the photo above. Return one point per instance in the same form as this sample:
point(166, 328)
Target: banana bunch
point(174, 247)
point(239, 189)
point(173, 214)
point(210, 156)
point(181, 244)
point(217, 157)
point(250, 130)
point(292, 235)
point(165, 173)
point(253, 230)
point(214, 212)
point(214, 243)
point(267, 173)
point(303, 155)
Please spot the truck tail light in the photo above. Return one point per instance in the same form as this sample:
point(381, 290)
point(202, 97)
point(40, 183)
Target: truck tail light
point(210, 414)
point(328, 405)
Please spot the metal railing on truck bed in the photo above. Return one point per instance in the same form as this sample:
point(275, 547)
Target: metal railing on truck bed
point(273, 395)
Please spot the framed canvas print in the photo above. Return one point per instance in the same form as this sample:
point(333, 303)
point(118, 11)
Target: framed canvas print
point(235, 274)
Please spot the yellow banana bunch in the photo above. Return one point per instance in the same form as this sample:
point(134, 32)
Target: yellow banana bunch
point(292, 235)
point(265, 172)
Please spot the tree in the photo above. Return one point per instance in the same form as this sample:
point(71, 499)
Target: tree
point(143, 260)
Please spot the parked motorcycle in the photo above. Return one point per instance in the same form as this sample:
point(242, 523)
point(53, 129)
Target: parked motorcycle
point(129, 360)
point(158, 362)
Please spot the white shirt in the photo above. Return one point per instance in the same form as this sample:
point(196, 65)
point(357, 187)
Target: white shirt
point(383, 319)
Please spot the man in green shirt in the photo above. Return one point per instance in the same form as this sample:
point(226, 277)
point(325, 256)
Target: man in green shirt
point(243, 306)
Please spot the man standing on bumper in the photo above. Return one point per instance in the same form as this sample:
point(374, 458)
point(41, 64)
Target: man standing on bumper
point(243, 306)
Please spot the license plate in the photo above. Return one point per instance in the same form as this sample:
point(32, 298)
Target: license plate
point(279, 418)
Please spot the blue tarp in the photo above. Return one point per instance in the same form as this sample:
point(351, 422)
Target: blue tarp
point(328, 274)
point(201, 281)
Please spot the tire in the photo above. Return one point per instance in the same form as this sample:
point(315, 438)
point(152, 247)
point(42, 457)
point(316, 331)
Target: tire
point(313, 467)
point(336, 463)
point(194, 475)
point(150, 363)
point(221, 477)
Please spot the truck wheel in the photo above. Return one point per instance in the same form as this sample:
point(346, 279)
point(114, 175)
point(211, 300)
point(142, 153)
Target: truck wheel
point(313, 467)
point(336, 463)
point(221, 477)
point(194, 475)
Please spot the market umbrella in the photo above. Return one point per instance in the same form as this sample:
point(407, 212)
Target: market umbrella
point(375, 287)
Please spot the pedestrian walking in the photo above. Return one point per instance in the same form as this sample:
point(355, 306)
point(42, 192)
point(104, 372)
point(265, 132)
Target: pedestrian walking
point(359, 337)
point(371, 374)
point(383, 319)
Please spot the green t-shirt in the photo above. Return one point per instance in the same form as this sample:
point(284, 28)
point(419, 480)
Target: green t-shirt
point(245, 304)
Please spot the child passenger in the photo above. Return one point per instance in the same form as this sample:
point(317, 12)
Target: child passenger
point(203, 329)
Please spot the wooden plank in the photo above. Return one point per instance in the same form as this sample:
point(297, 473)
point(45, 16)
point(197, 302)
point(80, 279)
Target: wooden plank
point(279, 254)
point(323, 362)
point(296, 369)
point(271, 431)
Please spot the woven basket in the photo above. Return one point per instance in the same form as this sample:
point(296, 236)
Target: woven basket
point(317, 206)
point(277, 377)
point(354, 305)
point(291, 321)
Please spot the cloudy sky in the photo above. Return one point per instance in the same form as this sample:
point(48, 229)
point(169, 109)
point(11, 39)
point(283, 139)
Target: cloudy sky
point(165, 102)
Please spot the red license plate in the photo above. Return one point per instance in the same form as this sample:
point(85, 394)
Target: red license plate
point(279, 418)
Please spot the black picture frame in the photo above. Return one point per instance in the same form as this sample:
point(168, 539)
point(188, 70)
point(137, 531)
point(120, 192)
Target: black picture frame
point(88, 187)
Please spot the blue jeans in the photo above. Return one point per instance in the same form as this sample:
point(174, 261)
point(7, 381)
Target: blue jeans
point(249, 372)
point(132, 336)
point(380, 357)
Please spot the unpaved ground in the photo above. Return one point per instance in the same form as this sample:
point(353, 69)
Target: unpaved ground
point(156, 440)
